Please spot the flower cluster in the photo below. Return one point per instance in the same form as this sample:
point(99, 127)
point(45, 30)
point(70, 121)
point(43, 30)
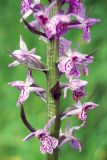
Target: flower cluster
point(61, 22)
point(71, 62)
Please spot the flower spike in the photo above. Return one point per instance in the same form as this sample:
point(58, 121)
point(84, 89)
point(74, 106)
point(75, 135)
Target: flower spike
point(51, 23)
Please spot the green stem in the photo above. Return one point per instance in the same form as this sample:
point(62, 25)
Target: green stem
point(52, 81)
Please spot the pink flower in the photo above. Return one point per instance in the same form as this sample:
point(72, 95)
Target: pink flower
point(56, 26)
point(48, 143)
point(74, 63)
point(74, 85)
point(68, 136)
point(23, 56)
point(26, 88)
point(79, 110)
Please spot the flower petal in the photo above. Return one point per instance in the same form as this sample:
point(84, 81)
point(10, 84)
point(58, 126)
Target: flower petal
point(89, 105)
point(15, 63)
point(18, 84)
point(29, 136)
point(86, 34)
point(23, 46)
point(75, 144)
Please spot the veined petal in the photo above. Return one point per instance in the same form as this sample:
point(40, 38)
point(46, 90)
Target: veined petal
point(23, 96)
point(89, 105)
point(71, 112)
point(18, 84)
point(64, 45)
point(77, 83)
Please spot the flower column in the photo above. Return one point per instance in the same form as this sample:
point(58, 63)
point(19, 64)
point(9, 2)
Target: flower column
point(53, 89)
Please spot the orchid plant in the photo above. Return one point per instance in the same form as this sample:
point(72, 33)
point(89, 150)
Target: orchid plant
point(51, 23)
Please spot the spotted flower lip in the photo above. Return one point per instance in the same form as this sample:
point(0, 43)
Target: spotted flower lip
point(27, 87)
point(25, 6)
point(68, 136)
point(73, 63)
point(79, 110)
point(23, 56)
point(48, 143)
point(73, 85)
point(52, 26)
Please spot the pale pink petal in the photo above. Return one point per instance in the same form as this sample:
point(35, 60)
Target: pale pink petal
point(23, 46)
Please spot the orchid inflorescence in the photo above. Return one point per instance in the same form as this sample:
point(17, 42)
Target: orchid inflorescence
point(71, 63)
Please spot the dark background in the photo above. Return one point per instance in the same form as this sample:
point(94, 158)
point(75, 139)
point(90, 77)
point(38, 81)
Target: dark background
point(94, 136)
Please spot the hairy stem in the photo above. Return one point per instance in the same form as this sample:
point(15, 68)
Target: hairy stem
point(53, 89)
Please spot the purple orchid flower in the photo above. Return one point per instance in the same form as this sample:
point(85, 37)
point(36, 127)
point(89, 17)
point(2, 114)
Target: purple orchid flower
point(84, 23)
point(26, 88)
point(77, 9)
point(23, 56)
point(68, 136)
point(79, 110)
point(73, 63)
point(48, 143)
point(75, 85)
point(43, 14)
point(56, 26)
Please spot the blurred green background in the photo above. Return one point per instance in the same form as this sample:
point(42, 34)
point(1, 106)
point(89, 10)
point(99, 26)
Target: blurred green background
point(12, 131)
